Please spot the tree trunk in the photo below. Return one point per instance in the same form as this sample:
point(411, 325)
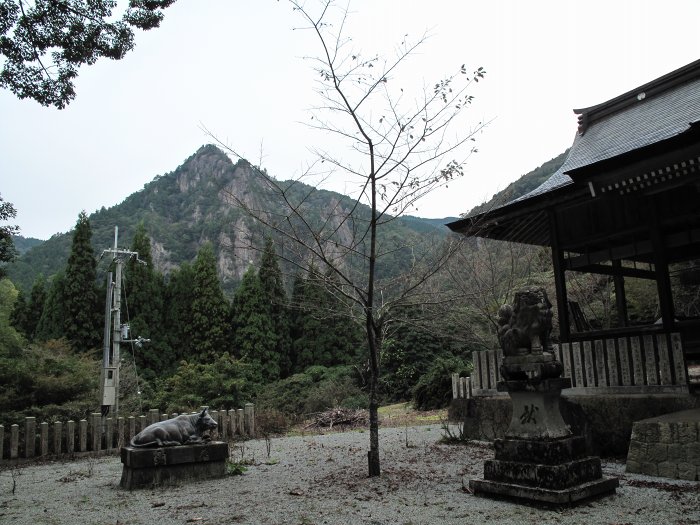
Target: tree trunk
point(373, 454)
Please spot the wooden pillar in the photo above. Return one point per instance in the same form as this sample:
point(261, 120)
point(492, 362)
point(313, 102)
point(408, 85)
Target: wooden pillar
point(559, 279)
point(663, 280)
point(620, 298)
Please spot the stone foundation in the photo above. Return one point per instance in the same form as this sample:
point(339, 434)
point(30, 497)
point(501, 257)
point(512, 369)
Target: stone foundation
point(605, 421)
point(667, 446)
point(540, 459)
point(164, 466)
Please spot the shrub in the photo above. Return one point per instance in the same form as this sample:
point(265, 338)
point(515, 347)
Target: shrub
point(223, 383)
point(316, 389)
point(271, 421)
point(434, 388)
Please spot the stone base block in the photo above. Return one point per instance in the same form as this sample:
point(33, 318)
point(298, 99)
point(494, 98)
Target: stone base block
point(564, 475)
point(163, 466)
point(568, 496)
point(542, 452)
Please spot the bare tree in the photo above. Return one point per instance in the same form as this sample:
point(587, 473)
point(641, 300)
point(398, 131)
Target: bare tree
point(401, 148)
point(487, 273)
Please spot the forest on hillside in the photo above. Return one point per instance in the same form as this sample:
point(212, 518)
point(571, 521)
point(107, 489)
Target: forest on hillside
point(289, 345)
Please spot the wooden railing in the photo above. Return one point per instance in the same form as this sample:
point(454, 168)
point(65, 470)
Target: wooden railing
point(103, 435)
point(645, 363)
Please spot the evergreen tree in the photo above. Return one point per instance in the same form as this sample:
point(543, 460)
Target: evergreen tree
point(83, 316)
point(209, 309)
point(20, 314)
point(26, 314)
point(254, 337)
point(35, 307)
point(323, 334)
point(179, 295)
point(52, 323)
point(143, 296)
point(275, 299)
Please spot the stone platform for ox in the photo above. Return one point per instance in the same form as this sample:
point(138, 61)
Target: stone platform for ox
point(540, 460)
point(164, 466)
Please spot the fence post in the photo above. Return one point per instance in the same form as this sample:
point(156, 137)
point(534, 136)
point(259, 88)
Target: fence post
point(625, 369)
point(611, 356)
point(43, 438)
point(232, 422)
point(455, 379)
point(650, 361)
point(95, 431)
point(70, 437)
point(57, 438)
point(249, 414)
point(239, 421)
point(29, 437)
point(109, 434)
point(153, 416)
point(132, 430)
point(142, 423)
point(223, 424)
point(2, 440)
point(121, 428)
point(14, 441)
point(678, 360)
point(83, 435)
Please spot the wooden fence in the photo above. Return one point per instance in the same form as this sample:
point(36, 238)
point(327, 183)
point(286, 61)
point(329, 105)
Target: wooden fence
point(637, 364)
point(104, 435)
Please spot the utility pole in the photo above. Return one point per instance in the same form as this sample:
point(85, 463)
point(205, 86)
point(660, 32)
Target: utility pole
point(120, 332)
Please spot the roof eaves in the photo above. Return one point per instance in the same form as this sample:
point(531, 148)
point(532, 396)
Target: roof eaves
point(664, 83)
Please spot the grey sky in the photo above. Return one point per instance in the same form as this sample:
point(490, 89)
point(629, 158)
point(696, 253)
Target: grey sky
point(237, 68)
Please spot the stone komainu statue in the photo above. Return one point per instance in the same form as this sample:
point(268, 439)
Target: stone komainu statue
point(524, 332)
point(525, 327)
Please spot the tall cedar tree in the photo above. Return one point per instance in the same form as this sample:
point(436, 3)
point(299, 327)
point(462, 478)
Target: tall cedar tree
point(179, 294)
point(37, 299)
point(323, 335)
point(275, 299)
point(254, 337)
point(52, 323)
point(209, 326)
point(83, 316)
point(19, 314)
point(143, 295)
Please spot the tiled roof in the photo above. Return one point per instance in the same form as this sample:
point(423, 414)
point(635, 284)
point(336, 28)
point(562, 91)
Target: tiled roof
point(557, 180)
point(648, 121)
point(656, 111)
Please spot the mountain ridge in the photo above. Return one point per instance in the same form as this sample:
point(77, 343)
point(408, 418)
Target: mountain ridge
point(189, 206)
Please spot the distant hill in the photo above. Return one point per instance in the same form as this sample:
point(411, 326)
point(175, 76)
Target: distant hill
point(523, 185)
point(192, 205)
point(24, 244)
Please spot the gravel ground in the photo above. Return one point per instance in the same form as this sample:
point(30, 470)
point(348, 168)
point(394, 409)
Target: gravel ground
point(318, 479)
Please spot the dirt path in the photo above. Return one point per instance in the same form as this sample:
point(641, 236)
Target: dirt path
point(319, 479)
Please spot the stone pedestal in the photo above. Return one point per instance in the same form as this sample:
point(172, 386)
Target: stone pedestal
point(163, 466)
point(540, 460)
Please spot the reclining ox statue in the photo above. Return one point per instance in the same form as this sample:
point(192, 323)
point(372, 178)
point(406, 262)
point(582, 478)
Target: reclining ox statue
point(181, 430)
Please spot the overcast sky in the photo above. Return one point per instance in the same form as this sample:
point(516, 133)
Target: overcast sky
point(237, 68)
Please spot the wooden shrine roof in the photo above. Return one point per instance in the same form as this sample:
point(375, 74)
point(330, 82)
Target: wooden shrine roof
point(658, 111)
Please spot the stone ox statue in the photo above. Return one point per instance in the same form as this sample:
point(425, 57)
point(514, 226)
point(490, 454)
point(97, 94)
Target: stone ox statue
point(181, 430)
